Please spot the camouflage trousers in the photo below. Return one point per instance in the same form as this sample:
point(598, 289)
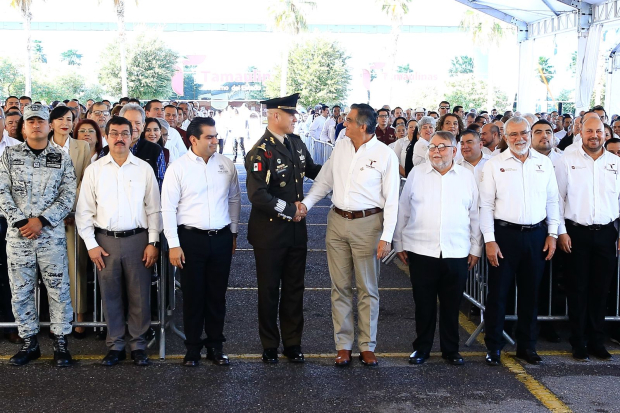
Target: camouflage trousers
point(49, 253)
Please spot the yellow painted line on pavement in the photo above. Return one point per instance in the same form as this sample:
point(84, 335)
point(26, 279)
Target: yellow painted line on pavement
point(538, 390)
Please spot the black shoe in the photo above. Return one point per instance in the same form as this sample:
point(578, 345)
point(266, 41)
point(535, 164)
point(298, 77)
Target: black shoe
point(102, 334)
point(294, 354)
point(140, 358)
point(30, 351)
point(419, 357)
point(192, 358)
point(218, 357)
point(270, 355)
point(529, 356)
point(113, 357)
point(493, 358)
point(62, 357)
point(453, 358)
point(600, 352)
point(548, 333)
point(580, 353)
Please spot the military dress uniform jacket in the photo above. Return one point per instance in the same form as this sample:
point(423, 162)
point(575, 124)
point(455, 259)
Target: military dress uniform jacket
point(32, 186)
point(275, 182)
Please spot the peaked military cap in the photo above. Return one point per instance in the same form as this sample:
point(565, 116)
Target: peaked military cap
point(287, 103)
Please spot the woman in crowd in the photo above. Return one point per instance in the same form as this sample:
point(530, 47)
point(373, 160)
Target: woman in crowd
point(399, 121)
point(61, 122)
point(153, 132)
point(87, 130)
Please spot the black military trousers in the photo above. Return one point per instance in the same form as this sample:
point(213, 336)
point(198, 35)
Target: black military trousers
point(6, 311)
point(524, 260)
point(433, 278)
point(280, 268)
point(591, 266)
point(204, 280)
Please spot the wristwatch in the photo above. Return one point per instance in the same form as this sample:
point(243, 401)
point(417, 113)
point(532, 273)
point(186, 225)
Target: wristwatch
point(155, 244)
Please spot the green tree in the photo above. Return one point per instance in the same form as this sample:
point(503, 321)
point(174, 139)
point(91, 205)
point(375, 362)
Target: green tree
point(318, 71)
point(461, 65)
point(470, 92)
point(71, 57)
point(151, 66)
point(567, 98)
point(191, 89)
point(287, 16)
point(24, 7)
point(9, 77)
point(546, 73)
point(39, 54)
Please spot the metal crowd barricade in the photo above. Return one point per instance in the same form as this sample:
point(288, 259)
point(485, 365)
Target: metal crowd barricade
point(98, 318)
point(320, 151)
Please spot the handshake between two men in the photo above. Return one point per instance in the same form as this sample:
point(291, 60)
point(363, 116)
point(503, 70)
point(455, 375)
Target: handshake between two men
point(301, 212)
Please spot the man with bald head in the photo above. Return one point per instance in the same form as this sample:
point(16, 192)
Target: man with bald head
point(589, 188)
point(577, 143)
point(490, 139)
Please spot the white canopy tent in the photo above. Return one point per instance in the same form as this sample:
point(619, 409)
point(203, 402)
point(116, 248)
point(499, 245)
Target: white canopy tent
point(539, 18)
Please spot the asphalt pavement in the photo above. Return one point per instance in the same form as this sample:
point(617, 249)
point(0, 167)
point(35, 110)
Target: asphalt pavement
point(559, 384)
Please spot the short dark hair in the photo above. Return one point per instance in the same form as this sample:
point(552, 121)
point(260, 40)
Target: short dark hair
point(336, 106)
point(195, 127)
point(457, 108)
point(118, 120)
point(124, 98)
point(432, 111)
point(480, 118)
point(170, 106)
point(381, 110)
point(13, 111)
point(26, 97)
point(11, 97)
point(611, 140)
point(366, 115)
point(444, 101)
point(134, 100)
point(482, 112)
point(468, 131)
point(150, 103)
point(470, 115)
point(542, 122)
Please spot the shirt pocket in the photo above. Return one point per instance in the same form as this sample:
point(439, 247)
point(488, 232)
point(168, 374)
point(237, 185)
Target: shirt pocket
point(612, 184)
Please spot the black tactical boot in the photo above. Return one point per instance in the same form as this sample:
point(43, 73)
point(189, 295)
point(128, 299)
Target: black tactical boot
point(62, 358)
point(30, 351)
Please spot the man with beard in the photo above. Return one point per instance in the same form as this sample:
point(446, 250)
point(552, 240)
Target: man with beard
point(490, 136)
point(438, 234)
point(473, 159)
point(542, 141)
point(519, 218)
point(100, 113)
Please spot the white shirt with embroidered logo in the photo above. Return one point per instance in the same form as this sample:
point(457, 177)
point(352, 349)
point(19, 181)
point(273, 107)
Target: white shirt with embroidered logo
point(199, 194)
point(118, 198)
point(476, 170)
point(589, 189)
point(438, 214)
point(368, 178)
point(523, 193)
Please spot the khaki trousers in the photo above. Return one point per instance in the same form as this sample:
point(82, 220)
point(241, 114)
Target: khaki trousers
point(352, 252)
point(78, 284)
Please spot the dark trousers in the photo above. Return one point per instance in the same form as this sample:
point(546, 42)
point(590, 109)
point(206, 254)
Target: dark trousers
point(524, 260)
point(280, 268)
point(6, 311)
point(433, 278)
point(204, 280)
point(221, 143)
point(238, 142)
point(592, 264)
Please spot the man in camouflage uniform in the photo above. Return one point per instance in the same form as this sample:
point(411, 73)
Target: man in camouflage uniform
point(37, 191)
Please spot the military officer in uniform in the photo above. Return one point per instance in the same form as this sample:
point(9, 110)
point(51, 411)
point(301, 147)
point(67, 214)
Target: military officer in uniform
point(276, 167)
point(37, 192)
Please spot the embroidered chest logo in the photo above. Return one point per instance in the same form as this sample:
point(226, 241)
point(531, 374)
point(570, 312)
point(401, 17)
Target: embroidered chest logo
point(370, 164)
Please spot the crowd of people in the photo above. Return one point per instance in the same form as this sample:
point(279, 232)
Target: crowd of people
point(525, 189)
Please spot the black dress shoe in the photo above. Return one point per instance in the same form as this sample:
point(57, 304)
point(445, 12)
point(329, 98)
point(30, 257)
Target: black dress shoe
point(419, 357)
point(113, 357)
point(218, 357)
point(294, 354)
point(529, 356)
point(140, 358)
point(580, 353)
point(493, 358)
point(30, 351)
point(270, 355)
point(600, 352)
point(453, 358)
point(62, 357)
point(192, 358)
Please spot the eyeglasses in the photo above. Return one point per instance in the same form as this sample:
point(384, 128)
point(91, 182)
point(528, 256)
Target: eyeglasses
point(101, 112)
point(383, 116)
point(444, 107)
point(123, 135)
point(441, 147)
point(515, 135)
point(86, 131)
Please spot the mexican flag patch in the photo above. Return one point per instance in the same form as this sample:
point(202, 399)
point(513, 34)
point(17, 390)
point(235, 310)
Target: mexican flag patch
point(258, 167)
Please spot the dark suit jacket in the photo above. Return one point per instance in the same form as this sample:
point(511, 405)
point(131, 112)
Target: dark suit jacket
point(147, 151)
point(565, 141)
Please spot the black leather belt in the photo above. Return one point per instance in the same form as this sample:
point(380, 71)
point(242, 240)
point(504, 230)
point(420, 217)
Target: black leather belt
point(593, 227)
point(119, 234)
point(519, 227)
point(209, 232)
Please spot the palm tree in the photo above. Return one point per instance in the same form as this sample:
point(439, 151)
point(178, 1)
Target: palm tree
point(287, 16)
point(24, 6)
point(396, 11)
point(119, 5)
point(546, 73)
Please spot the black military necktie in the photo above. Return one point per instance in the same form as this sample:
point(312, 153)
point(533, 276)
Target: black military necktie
point(288, 145)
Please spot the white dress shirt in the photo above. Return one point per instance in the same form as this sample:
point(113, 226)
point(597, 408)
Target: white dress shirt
point(517, 192)
point(6, 142)
point(555, 155)
point(589, 189)
point(118, 198)
point(175, 145)
point(64, 148)
point(368, 178)
point(487, 151)
point(328, 133)
point(317, 127)
point(577, 143)
point(400, 149)
point(476, 170)
point(420, 151)
point(185, 124)
point(438, 214)
point(200, 195)
point(560, 134)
